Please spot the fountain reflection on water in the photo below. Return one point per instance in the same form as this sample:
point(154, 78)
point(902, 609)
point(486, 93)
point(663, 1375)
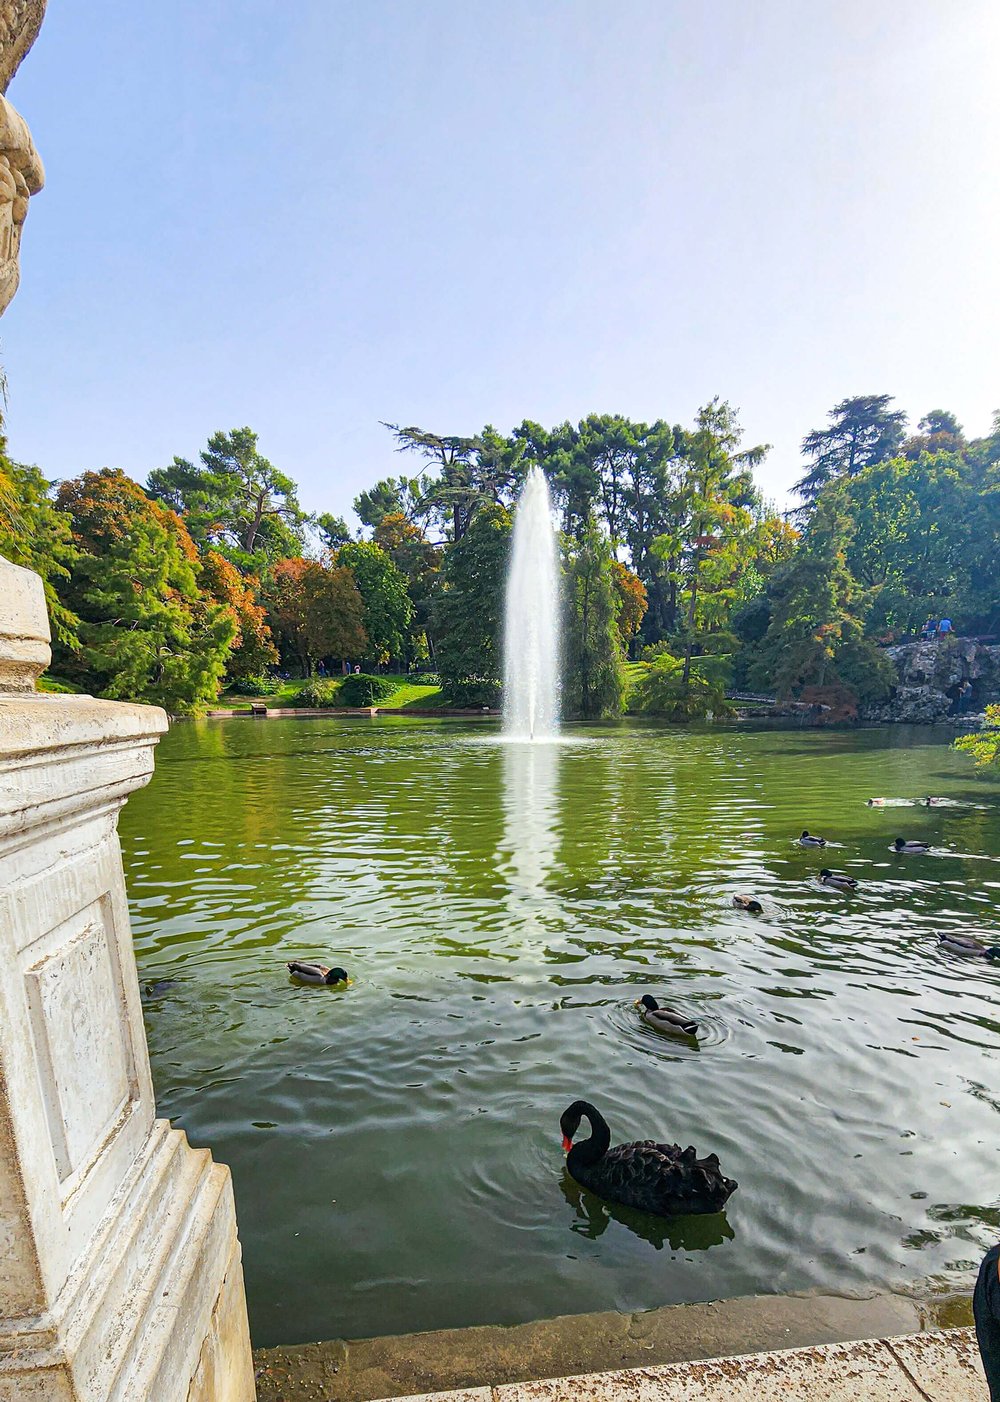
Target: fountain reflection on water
point(531, 620)
point(531, 818)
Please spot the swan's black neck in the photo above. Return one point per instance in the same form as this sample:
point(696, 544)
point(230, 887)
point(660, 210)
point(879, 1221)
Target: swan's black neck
point(588, 1151)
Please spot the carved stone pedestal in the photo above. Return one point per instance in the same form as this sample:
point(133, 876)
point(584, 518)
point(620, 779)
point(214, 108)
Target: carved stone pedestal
point(120, 1274)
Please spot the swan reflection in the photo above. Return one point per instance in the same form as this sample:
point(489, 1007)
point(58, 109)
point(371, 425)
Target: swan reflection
point(679, 1233)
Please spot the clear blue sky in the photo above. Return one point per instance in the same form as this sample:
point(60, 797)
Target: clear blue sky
point(310, 216)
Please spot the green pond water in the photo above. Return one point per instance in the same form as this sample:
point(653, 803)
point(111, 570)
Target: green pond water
point(395, 1147)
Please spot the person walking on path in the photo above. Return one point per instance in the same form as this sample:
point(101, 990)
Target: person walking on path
point(986, 1308)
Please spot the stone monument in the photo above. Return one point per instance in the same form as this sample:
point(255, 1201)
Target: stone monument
point(120, 1269)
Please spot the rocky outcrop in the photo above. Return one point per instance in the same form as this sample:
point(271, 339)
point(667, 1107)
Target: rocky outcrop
point(931, 675)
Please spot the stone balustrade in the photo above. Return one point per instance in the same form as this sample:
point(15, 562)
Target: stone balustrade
point(120, 1269)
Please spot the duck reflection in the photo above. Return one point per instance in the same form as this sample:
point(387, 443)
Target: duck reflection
point(679, 1233)
point(530, 811)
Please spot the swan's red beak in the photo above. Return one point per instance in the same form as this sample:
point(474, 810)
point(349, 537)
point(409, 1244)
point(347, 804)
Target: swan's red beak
point(567, 1144)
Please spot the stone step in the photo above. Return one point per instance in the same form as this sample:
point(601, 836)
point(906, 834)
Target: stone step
point(934, 1367)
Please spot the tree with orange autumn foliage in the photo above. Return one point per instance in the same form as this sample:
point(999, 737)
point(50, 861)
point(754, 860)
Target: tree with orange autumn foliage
point(315, 611)
point(253, 650)
point(631, 601)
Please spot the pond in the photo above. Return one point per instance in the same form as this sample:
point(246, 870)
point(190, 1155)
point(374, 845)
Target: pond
point(395, 1146)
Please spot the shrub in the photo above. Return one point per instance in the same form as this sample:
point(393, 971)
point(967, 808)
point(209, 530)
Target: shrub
point(661, 691)
point(425, 679)
point(319, 691)
point(361, 690)
point(472, 691)
point(255, 686)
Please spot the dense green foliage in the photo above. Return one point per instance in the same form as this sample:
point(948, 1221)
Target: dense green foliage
point(670, 554)
point(984, 746)
point(387, 608)
point(147, 631)
point(468, 616)
point(318, 692)
point(593, 671)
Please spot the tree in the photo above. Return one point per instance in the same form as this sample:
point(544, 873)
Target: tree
point(717, 532)
point(333, 530)
point(453, 492)
point(816, 634)
point(940, 432)
point(468, 612)
point(420, 563)
point(316, 611)
point(403, 496)
point(472, 471)
point(237, 499)
point(631, 605)
point(594, 680)
point(911, 546)
point(387, 606)
point(147, 631)
point(253, 650)
point(862, 431)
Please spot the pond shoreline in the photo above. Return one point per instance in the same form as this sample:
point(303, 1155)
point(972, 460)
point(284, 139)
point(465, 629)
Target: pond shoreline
point(492, 1355)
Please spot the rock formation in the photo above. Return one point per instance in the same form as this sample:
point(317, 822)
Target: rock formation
point(21, 172)
point(930, 676)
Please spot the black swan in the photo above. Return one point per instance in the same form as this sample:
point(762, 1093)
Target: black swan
point(307, 972)
point(660, 1178)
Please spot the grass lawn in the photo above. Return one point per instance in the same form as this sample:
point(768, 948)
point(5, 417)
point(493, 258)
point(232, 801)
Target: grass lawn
point(407, 693)
point(50, 683)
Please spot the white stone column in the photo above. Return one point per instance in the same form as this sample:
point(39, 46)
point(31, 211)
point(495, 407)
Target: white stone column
point(120, 1273)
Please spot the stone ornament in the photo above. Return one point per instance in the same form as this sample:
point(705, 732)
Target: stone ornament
point(24, 628)
point(21, 171)
point(20, 21)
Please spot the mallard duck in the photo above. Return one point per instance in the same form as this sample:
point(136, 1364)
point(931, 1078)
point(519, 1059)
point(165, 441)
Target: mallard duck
point(664, 1019)
point(967, 944)
point(748, 903)
point(660, 1178)
point(833, 878)
point(808, 840)
point(902, 845)
point(307, 972)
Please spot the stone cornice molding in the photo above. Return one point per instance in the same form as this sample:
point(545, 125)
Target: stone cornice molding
point(63, 755)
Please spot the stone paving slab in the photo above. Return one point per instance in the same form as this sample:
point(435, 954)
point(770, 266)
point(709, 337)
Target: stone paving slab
point(936, 1367)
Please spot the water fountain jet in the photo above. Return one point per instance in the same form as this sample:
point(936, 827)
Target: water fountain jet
point(531, 619)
